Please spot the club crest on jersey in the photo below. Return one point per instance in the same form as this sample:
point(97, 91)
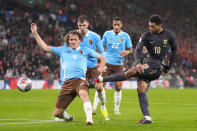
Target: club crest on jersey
point(165, 41)
point(80, 52)
point(111, 38)
point(121, 39)
point(90, 42)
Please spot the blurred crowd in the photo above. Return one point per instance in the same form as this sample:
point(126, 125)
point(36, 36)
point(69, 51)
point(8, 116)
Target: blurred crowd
point(20, 55)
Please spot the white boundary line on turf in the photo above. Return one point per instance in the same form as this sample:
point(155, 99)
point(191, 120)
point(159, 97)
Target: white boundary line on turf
point(19, 123)
point(160, 103)
point(17, 119)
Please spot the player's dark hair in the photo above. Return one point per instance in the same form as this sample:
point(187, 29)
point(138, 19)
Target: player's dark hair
point(82, 18)
point(117, 18)
point(155, 19)
point(73, 32)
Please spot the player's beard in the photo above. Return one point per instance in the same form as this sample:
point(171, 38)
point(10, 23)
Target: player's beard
point(82, 33)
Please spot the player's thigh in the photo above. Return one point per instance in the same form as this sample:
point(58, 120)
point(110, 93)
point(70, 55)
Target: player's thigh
point(66, 95)
point(81, 85)
point(64, 100)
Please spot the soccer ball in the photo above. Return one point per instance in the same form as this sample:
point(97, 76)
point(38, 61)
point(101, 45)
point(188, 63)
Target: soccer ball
point(24, 84)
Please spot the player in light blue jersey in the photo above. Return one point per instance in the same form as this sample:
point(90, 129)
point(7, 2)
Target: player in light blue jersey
point(117, 44)
point(92, 40)
point(74, 60)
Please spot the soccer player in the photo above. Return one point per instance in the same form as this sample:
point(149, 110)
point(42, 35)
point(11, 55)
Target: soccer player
point(92, 40)
point(73, 61)
point(158, 42)
point(116, 42)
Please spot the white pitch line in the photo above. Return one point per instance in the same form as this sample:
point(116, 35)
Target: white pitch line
point(161, 103)
point(6, 119)
point(19, 123)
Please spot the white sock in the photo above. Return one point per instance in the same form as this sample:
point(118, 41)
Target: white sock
point(66, 115)
point(102, 99)
point(117, 100)
point(88, 110)
point(96, 101)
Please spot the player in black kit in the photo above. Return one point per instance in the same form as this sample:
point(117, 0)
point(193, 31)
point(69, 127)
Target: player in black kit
point(159, 42)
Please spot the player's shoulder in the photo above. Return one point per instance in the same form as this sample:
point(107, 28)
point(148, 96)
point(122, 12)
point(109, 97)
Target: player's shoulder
point(85, 49)
point(169, 32)
point(109, 32)
point(93, 34)
point(125, 34)
point(146, 34)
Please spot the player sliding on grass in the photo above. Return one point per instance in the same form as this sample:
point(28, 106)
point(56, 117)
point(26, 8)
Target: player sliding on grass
point(159, 42)
point(73, 60)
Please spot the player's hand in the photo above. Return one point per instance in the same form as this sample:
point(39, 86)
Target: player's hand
point(33, 28)
point(140, 68)
point(124, 53)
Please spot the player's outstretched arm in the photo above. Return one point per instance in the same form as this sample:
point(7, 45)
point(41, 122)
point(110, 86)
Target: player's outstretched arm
point(39, 40)
point(101, 68)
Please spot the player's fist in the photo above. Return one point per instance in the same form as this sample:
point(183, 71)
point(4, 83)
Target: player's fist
point(33, 28)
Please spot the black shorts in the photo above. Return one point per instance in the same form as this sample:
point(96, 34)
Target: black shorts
point(152, 70)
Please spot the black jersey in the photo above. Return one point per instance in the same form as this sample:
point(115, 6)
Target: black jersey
point(158, 45)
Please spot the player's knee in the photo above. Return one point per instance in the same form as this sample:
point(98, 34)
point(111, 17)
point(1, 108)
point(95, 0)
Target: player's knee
point(142, 87)
point(118, 87)
point(58, 112)
point(83, 94)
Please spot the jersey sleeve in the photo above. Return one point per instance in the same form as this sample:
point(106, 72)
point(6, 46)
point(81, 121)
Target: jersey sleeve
point(104, 39)
point(56, 50)
point(99, 45)
point(128, 41)
point(138, 49)
point(92, 53)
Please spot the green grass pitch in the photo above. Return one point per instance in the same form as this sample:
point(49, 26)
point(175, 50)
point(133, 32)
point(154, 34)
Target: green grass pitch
point(171, 110)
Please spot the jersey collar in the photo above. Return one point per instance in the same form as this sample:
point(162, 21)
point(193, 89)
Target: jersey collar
point(118, 33)
point(75, 49)
point(87, 34)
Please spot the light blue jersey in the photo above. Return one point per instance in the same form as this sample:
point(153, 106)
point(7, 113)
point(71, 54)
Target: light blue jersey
point(73, 62)
point(92, 40)
point(114, 44)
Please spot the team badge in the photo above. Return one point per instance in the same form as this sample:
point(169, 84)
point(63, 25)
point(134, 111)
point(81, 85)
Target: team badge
point(121, 39)
point(165, 41)
point(80, 52)
point(90, 42)
point(111, 38)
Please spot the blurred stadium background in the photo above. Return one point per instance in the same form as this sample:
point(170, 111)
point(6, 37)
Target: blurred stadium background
point(20, 55)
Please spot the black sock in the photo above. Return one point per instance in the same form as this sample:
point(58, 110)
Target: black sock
point(115, 77)
point(143, 99)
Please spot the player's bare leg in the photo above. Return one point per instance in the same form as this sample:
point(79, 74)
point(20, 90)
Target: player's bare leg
point(83, 94)
point(117, 97)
